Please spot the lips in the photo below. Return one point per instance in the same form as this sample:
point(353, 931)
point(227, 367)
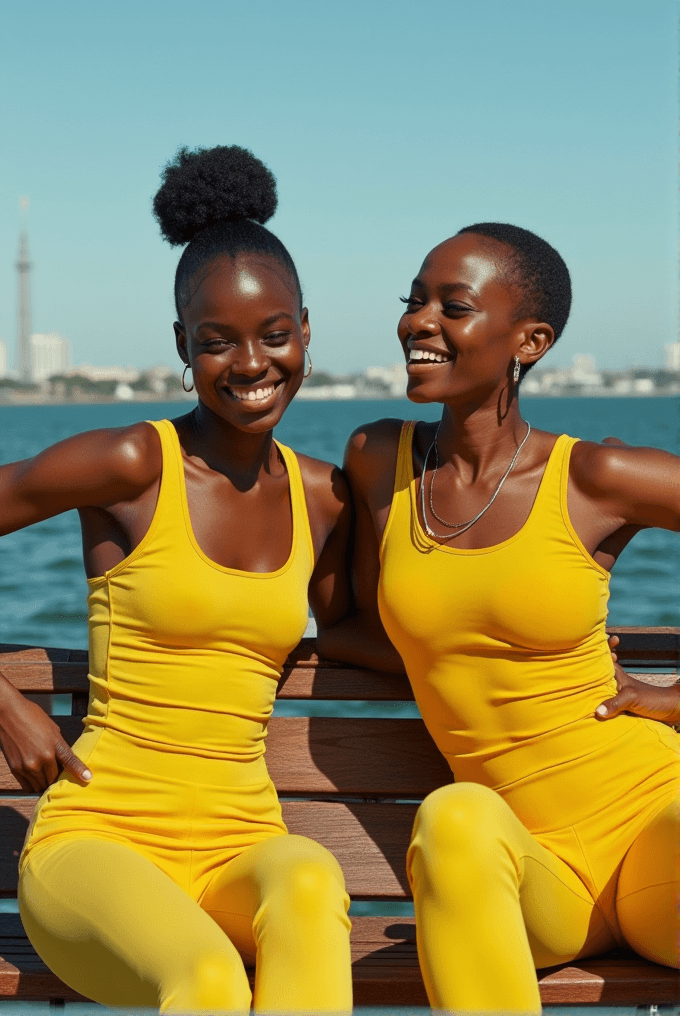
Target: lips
point(427, 358)
point(254, 396)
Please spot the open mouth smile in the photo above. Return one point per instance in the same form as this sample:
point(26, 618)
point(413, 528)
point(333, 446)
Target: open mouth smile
point(426, 358)
point(256, 396)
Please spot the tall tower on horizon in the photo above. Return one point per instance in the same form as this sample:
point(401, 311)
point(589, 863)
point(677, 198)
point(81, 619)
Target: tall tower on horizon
point(22, 356)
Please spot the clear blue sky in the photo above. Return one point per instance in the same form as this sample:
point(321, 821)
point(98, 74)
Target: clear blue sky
point(389, 125)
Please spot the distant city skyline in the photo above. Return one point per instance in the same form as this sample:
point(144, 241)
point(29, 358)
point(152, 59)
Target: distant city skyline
point(560, 118)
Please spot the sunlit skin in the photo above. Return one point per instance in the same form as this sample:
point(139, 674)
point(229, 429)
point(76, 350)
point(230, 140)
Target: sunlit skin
point(242, 331)
point(463, 308)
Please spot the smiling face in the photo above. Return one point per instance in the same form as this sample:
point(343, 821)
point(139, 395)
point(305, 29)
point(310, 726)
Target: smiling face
point(460, 331)
point(244, 335)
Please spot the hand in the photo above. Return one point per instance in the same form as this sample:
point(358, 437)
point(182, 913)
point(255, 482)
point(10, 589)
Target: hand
point(32, 744)
point(638, 697)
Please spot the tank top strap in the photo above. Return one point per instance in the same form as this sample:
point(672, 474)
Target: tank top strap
point(302, 532)
point(403, 479)
point(170, 506)
point(550, 506)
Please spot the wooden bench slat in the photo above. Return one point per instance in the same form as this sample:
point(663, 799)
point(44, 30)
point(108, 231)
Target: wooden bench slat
point(319, 683)
point(305, 676)
point(323, 754)
point(338, 684)
point(370, 841)
point(296, 683)
point(385, 968)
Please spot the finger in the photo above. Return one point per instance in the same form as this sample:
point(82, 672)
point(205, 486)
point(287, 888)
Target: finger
point(50, 771)
point(24, 783)
point(618, 704)
point(71, 763)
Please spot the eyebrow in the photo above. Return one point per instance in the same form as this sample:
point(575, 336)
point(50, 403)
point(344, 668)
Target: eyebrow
point(265, 324)
point(449, 287)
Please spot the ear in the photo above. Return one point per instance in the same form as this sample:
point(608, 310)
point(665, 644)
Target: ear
point(181, 341)
point(535, 341)
point(304, 325)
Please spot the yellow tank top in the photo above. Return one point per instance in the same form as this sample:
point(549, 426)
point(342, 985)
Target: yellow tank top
point(505, 646)
point(185, 654)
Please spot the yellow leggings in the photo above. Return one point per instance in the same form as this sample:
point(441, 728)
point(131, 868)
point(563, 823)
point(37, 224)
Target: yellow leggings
point(116, 928)
point(492, 903)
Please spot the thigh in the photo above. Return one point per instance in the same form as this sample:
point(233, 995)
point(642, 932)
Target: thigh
point(648, 891)
point(475, 846)
point(271, 869)
point(112, 925)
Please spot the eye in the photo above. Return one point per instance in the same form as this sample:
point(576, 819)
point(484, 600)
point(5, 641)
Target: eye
point(410, 301)
point(216, 343)
point(457, 307)
point(278, 338)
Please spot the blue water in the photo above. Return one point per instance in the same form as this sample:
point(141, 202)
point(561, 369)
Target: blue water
point(42, 583)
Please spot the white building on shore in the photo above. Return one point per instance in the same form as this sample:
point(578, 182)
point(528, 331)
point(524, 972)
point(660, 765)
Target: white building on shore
point(49, 355)
point(124, 375)
point(672, 356)
point(3, 360)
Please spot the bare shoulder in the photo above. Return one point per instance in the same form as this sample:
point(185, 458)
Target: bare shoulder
point(614, 467)
point(325, 486)
point(129, 453)
point(372, 449)
point(119, 459)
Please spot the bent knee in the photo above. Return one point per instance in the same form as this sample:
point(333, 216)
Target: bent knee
point(309, 875)
point(216, 981)
point(459, 817)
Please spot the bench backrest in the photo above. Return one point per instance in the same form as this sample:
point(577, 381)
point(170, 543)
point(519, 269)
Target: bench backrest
point(345, 749)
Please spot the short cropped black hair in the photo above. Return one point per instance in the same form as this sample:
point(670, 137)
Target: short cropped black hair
point(536, 270)
point(216, 200)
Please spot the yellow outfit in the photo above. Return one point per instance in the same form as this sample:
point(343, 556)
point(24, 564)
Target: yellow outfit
point(153, 883)
point(561, 835)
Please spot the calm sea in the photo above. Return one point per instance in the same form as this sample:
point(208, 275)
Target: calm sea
point(42, 583)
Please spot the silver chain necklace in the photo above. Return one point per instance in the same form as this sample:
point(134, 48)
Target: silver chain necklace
point(461, 526)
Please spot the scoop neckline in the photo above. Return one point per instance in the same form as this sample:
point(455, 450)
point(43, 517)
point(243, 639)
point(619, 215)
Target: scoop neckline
point(190, 529)
point(476, 551)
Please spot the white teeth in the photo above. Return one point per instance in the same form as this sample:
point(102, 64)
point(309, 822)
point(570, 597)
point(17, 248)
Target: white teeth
point(253, 395)
point(425, 354)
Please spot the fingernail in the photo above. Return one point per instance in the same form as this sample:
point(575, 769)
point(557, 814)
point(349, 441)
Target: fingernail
point(601, 710)
point(87, 775)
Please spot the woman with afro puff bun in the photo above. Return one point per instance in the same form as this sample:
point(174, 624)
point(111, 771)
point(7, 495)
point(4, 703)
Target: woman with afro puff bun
point(158, 866)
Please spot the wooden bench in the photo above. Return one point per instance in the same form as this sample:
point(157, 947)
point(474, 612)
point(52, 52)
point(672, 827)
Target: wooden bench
point(352, 782)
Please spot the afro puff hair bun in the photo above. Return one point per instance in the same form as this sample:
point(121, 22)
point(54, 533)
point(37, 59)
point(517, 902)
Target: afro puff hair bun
point(212, 185)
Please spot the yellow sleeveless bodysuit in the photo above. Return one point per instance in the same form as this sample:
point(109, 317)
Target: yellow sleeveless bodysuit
point(185, 656)
point(506, 650)
point(153, 882)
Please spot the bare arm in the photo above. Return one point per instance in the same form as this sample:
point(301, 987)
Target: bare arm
point(330, 512)
point(631, 486)
point(359, 637)
point(90, 470)
point(640, 698)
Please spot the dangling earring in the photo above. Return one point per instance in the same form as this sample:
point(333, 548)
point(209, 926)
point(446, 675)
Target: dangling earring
point(310, 363)
point(184, 374)
point(515, 373)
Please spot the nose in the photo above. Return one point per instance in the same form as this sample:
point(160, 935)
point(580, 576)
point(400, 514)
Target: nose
point(423, 321)
point(250, 360)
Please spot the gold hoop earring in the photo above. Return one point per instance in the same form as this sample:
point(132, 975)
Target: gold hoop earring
point(516, 371)
point(184, 374)
point(310, 363)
